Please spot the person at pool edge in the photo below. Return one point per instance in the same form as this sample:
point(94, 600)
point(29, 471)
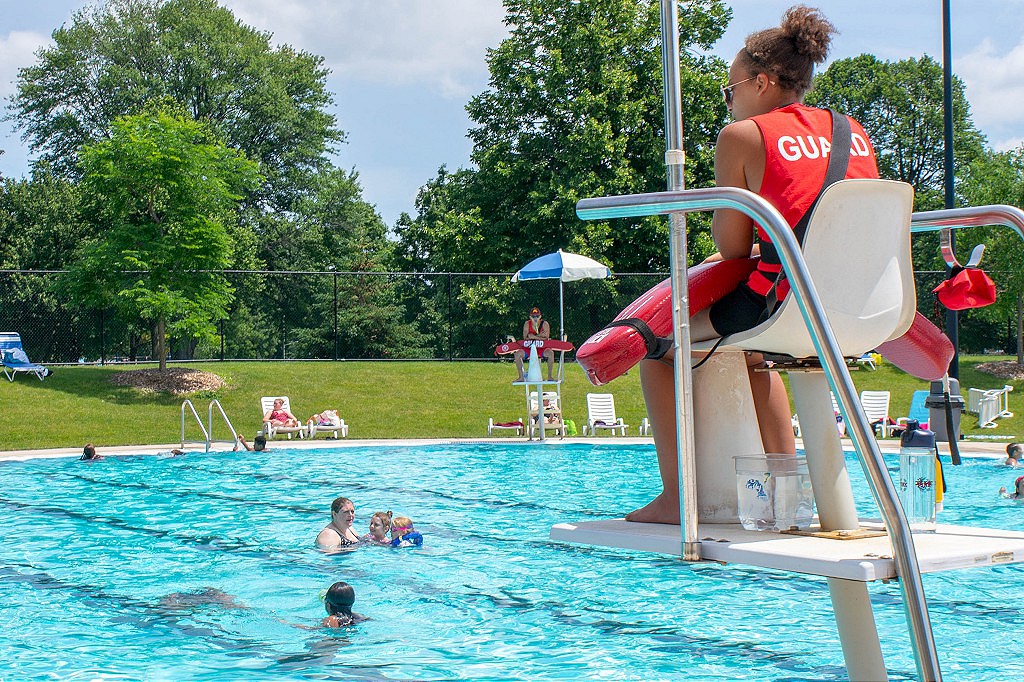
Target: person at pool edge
point(259, 443)
point(339, 533)
point(89, 453)
point(535, 328)
point(762, 150)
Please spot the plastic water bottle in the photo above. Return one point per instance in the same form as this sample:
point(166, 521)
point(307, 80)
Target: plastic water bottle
point(917, 477)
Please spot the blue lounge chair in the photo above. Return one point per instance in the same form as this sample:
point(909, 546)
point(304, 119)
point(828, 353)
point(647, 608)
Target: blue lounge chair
point(14, 358)
point(918, 410)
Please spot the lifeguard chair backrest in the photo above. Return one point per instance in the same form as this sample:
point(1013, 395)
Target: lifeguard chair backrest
point(857, 250)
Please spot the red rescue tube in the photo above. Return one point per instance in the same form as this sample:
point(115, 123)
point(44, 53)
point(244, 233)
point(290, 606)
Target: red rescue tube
point(541, 344)
point(612, 351)
point(924, 351)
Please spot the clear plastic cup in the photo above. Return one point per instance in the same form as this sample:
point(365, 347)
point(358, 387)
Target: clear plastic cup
point(774, 492)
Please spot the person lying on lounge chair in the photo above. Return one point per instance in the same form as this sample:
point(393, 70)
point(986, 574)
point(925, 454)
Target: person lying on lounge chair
point(278, 416)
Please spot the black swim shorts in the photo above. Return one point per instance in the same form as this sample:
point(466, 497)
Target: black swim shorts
point(738, 311)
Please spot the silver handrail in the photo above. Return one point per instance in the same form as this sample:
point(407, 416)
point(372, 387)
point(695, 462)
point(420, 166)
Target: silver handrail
point(234, 434)
point(868, 452)
point(206, 434)
point(975, 216)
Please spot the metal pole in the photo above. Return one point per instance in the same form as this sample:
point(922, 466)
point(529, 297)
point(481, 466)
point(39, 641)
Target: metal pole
point(335, 316)
point(450, 325)
point(952, 316)
point(222, 340)
point(674, 162)
point(103, 341)
point(561, 310)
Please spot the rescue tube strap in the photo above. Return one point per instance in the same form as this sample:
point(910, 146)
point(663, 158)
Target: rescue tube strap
point(657, 346)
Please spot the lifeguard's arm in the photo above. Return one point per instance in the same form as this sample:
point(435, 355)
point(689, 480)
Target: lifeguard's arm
point(739, 162)
point(526, 330)
point(545, 330)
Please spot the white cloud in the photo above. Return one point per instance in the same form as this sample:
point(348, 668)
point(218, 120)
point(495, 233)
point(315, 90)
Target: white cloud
point(17, 50)
point(993, 83)
point(1007, 144)
point(441, 43)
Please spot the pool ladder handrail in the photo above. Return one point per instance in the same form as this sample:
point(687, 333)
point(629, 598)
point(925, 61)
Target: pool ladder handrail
point(867, 449)
point(206, 429)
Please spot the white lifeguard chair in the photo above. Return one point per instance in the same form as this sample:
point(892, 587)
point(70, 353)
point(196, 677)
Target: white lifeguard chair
point(856, 259)
point(534, 384)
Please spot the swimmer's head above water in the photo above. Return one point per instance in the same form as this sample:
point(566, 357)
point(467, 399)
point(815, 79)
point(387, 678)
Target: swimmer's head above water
point(339, 599)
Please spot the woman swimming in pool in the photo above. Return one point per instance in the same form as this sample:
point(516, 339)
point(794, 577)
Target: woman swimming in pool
point(338, 533)
point(338, 601)
point(380, 524)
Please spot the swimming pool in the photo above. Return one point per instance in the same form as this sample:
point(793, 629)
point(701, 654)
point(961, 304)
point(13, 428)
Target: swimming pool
point(91, 552)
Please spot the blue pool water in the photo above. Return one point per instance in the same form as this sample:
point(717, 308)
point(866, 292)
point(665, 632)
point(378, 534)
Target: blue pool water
point(91, 552)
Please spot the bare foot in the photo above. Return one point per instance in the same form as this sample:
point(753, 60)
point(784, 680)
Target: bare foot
point(659, 510)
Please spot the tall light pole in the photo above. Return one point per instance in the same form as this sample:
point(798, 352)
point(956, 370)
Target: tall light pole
point(952, 317)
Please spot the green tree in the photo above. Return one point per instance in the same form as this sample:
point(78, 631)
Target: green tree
point(900, 106)
point(165, 189)
point(574, 109)
point(998, 178)
point(115, 57)
point(342, 233)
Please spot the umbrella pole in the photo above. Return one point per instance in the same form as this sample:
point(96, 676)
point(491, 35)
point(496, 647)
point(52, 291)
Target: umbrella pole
point(561, 310)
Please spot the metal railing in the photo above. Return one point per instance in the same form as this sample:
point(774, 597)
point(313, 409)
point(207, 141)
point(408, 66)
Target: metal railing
point(206, 434)
point(206, 429)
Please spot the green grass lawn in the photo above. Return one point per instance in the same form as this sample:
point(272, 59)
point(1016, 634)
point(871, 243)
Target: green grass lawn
point(378, 400)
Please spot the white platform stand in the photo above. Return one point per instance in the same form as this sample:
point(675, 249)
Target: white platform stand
point(862, 560)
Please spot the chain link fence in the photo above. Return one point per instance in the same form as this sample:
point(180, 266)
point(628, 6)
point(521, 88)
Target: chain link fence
point(364, 316)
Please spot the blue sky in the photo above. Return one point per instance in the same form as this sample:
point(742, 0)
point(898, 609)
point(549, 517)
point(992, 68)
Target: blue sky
point(403, 70)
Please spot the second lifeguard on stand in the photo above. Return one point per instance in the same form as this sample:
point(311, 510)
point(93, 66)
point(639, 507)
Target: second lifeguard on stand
point(535, 328)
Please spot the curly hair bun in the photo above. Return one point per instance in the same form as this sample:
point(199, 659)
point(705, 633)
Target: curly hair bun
point(809, 30)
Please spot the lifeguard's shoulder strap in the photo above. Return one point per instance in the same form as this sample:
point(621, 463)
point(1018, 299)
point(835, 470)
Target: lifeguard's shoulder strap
point(657, 346)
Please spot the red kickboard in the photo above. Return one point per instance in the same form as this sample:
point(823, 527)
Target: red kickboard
point(612, 351)
point(924, 351)
point(541, 344)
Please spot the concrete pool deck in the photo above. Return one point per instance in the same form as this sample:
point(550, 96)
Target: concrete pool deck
point(990, 449)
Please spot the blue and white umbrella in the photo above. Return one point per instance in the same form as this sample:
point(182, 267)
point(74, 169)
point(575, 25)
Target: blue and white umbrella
point(565, 267)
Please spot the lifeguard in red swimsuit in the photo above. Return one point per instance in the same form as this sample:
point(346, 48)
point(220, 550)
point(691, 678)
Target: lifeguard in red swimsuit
point(535, 328)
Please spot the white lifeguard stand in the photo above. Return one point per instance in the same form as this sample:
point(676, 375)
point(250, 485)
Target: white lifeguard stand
point(854, 291)
point(536, 383)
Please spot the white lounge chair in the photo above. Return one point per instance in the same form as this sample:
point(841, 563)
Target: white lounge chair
point(270, 431)
point(332, 429)
point(876, 409)
point(601, 415)
point(517, 426)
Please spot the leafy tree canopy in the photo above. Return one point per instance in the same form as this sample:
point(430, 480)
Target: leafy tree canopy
point(165, 188)
point(574, 110)
point(117, 56)
point(900, 106)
